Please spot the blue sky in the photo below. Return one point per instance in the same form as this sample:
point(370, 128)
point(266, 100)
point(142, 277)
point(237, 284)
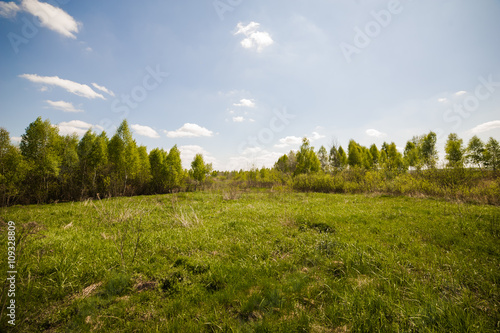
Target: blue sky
point(242, 81)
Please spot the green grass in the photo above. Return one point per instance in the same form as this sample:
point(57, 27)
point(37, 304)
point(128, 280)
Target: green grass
point(258, 262)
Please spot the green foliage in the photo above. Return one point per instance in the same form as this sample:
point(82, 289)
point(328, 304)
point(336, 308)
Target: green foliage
point(475, 152)
point(287, 262)
point(323, 158)
point(307, 160)
point(12, 170)
point(199, 170)
point(492, 154)
point(454, 151)
point(39, 147)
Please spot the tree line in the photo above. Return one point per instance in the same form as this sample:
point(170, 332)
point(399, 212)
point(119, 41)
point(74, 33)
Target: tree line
point(420, 153)
point(48, 166)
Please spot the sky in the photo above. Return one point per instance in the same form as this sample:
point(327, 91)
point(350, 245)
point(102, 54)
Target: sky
point(243, 81)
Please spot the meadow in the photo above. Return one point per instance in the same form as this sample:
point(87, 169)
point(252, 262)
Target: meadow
point(255, 261)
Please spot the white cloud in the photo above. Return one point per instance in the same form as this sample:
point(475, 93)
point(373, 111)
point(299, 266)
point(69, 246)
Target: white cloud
point(9, 9)
point(63, 106)
point(295, 140)
point(188, 153)
point(51, 17)
point(238, 119)
point(316, 136)
point(103, 89)
point(75, 126)
point(16, 139)
point(145, 131)
point(443, 100)
point(257, 158)
point(189, 131)
point(245, 103)
point(255, 39)
point(375, 133)
point(78, 89)
point(460, 93)
point(289, 141)
point(491, 125)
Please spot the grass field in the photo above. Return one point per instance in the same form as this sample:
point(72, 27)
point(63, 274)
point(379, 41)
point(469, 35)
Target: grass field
point(256, 261)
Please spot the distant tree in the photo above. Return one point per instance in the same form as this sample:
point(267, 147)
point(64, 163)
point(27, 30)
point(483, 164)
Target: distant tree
point(375, 155)
point(199, 170)
point(12, 169)
point(175, 173)
point(158, 164)
point(39, 149)
point(411, 155)
point(143, 175)
point(68, 187)
point(99, 164)
point(394, 160)
point(342, 158)
point(307, 160)
point(282, 164)
point(355, 159)
point(492, 154)
point(429, 154)
point(292, 161)
point(84, 151)
point(454, 151)
point(123, 156)
point(323, 158)
point(475, 152)
point(366, 157)
point(334, 158)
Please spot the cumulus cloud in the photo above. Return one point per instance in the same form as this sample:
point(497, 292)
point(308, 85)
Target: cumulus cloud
point(9, 9)
point(145, 131)
point(188, 153)
point(296, 140)
point(485, 127)
point(78, 89)
point(189, 131)
point(257, 158)
point(375, 133)
point(53, 18)
point(316, 136)
point(75, 126)
point(238, 119)
point(255, 39)
point(460, 93)
point(289, 141)
point(63, 106)
point(443, 100)
point(245, 103)
point(103, 89)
